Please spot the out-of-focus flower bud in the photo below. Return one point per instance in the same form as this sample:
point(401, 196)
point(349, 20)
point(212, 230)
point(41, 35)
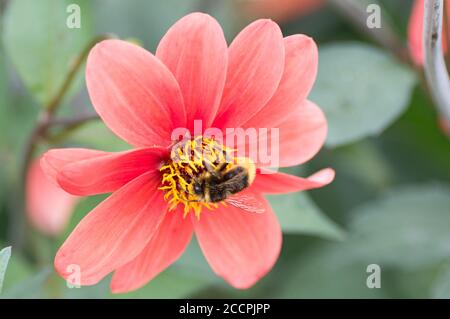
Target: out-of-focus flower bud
point(48, 206)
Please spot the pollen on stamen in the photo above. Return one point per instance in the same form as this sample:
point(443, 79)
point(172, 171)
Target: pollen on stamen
point(187, 162)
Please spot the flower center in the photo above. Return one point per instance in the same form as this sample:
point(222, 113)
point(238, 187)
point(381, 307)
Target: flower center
point(193, 165)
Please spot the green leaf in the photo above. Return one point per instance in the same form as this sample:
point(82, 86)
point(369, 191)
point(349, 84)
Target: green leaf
point(5, 254)
point(405, 232)
point(98, 291)
point(298, 214)
point(330, 271)
point(194, 262)
point(31, 287)
point(441, 285)
point(42, 46)
point(18, 271)
point(361, 89)
point(171, 283)
point(410, 284)
point(406, 228)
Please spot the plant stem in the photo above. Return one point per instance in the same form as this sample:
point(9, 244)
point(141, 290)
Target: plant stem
point(435, 70)
point(69, 125)
point(355, 12)
point(73, 121)
point(55, 102)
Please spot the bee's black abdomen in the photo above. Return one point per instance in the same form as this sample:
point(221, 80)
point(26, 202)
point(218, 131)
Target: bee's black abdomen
point(234, 184)
point(216, 196)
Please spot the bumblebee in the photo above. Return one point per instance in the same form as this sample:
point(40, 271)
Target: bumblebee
point(218, 183)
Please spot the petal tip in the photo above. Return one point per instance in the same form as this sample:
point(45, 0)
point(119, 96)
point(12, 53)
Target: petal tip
point(60, 265)
point(47, 168)
point(302, 41)
point(117, 288)
point(268, 23)
point(324, 177)
point(199, 15)
point(197, 18)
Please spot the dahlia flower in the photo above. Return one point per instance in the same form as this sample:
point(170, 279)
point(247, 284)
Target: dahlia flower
point(260, 81)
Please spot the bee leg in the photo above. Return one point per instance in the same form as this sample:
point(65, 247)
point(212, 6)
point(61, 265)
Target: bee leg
point(222, 166)
point(211, 169)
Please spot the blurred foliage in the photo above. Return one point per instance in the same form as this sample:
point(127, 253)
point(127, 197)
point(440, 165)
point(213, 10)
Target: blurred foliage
point(361, 89)
point(41, 45)
point(407, 227)
point(301, 215)
point(388, 204)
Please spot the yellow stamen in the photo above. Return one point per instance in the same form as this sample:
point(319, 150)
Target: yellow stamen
point(187, 161)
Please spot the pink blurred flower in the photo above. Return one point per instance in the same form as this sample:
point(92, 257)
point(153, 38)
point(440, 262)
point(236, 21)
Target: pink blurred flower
point(48, 206)
point(444, 126)
point(415, 31)
point(261, 80)
point(280, 10)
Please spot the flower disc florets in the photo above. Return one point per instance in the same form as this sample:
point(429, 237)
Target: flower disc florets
point(189, 160)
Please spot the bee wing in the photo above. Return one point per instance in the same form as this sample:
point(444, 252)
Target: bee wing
point(247, 202)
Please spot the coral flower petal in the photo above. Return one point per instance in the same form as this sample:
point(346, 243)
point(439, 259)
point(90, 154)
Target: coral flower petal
point(196, 52)
point(280, 183)
point(302, 134)
point(165, 247)
point(301, 62)
point(87, 172)
point(55, 159)
point(415, 30)
point(109, 172)
point(134, 93)
point(240, 246)
point(300, 137)
point(255, 68)
point(48, 206)
point(114, 232)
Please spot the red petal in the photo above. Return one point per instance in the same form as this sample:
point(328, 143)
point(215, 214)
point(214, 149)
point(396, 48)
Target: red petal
point(48, 206)
point(195, 50)
point(134, 93)
point(302, 134)
point(300, 137)
point(280, 183)
point(241, 247)
point(109, 172)
point(165, 247)
point(115, 232)
point(54, 160)
point(415, 30)
point(255, 67)
point(300, 70)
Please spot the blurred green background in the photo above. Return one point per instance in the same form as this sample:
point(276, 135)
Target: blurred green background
point(389, 204)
